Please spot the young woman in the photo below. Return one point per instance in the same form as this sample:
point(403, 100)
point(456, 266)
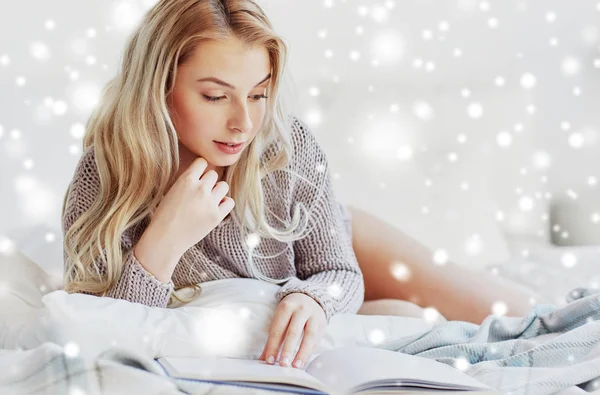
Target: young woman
point(194, 170)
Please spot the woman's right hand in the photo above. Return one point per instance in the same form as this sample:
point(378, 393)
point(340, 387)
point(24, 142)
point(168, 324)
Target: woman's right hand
point(193, 206)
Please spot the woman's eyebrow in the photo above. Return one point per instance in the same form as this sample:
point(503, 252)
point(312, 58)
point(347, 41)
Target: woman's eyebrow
point(220, 82)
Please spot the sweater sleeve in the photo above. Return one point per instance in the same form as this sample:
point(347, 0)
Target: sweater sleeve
point(326, 265)
point(135, 284)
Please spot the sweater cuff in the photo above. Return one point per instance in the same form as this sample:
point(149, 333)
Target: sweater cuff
point(317, 291)
point(137, 285)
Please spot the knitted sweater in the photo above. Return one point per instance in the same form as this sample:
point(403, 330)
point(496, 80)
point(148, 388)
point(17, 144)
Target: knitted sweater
point(322, 264)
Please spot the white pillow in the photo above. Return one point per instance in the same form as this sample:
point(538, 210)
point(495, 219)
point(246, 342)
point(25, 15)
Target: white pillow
point(43, 244)
point(23, 283)
point(553, 272)
point(231, 318)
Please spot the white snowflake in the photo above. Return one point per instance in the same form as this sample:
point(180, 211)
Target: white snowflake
point(376, 336)
point(71, 350)
point(400, 271)
point(335, 290)
point(568, 259)
point(462, 364)
point(475, 110)
point(499, 308)
point(528, 80)
point(440, 257)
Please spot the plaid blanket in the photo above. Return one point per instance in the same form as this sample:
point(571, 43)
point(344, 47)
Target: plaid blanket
point(548, 350)
point(551, 349)
point(50, 369)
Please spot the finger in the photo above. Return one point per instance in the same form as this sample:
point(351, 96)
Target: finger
point(262, 356)
point(226, 205)
point(209, 179)
point(197, 168)
point(281, 319)
point(312, 334)
point(220, 190)
point(292, 338)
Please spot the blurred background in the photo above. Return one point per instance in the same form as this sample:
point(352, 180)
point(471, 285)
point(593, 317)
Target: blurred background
point(473, 126)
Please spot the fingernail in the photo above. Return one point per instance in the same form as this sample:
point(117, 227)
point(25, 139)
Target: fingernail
point(285, 361)
point(298, 363)
point(271, 359)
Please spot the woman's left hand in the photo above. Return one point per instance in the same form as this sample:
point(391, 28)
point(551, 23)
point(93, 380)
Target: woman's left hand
point(296, 313)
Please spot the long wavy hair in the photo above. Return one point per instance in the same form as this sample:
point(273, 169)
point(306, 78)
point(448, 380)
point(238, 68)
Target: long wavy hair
point(135, 142)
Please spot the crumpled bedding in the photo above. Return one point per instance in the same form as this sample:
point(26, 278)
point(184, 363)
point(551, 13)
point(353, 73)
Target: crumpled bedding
point(552, 349)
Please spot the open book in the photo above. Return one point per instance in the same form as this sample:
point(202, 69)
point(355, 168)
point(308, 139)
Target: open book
point(346, 370)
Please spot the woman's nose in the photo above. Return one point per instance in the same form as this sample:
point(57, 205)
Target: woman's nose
point(242, 120)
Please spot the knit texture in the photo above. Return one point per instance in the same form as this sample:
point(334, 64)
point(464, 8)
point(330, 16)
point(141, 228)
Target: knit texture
point(321, 265)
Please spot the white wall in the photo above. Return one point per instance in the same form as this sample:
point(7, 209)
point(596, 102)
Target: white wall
point(391, 188)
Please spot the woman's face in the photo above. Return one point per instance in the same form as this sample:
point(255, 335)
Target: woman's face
point(219, 96)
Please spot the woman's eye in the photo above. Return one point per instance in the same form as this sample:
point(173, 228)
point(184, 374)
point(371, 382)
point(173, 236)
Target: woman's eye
point(217, 98)
point(258, 97)
point(213, 99)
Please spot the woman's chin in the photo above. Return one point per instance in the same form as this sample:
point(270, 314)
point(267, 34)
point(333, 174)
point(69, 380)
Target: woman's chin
point(224, 160)
point(223, 157)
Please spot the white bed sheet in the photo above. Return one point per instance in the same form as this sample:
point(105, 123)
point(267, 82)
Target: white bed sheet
point(68, 320)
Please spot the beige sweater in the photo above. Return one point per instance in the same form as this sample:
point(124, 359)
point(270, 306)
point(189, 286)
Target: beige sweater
point(322, 265)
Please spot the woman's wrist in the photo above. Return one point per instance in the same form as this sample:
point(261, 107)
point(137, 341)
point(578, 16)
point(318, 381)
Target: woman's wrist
point(157, 254)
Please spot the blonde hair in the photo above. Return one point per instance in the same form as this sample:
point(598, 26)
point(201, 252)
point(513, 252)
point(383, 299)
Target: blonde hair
point(136, 145)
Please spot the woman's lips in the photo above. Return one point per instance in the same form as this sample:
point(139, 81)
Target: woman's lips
point(230, 142)
point(229, 149)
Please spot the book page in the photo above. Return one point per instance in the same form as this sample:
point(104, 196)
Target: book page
point(243, 370)
point(347, 368)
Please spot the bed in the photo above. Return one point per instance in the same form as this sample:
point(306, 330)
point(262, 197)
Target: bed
point(53, 342)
